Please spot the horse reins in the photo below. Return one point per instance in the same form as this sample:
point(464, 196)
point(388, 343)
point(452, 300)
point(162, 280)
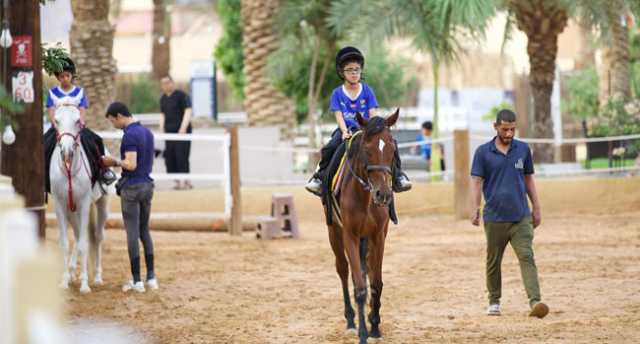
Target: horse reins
point(67, 169)
point(366, 185)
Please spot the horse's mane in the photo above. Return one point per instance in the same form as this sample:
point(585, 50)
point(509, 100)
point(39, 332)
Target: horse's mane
point(375, 126)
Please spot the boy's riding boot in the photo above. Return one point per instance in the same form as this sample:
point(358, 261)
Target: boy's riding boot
point(401, 182)
point(315, 184)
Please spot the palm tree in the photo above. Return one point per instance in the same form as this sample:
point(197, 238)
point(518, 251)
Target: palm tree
point(542, 21)
point(91, 41)
point(265, 106)
point(613, 21)
point(161, 38)
point(435, 27)
point(301, 26)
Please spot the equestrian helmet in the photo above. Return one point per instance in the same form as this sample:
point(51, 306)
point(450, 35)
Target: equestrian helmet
point(345, 55)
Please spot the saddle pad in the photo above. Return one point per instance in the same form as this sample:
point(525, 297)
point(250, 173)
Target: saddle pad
point(336, 181)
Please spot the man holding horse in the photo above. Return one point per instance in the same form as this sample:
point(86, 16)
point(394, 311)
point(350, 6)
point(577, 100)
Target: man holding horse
point(503, 169)
point(136, 191)
point(352, 97)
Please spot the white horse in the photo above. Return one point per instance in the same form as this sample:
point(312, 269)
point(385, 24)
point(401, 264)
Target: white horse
point(76, 201)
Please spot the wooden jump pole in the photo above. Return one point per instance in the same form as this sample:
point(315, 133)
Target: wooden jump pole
point(235, 222)
point(462, 178)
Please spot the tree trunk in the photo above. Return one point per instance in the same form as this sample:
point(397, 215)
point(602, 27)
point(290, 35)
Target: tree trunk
point(435, 133)
point(91, 41)
point(312, 103)
point(615, 83)
point(586, 54)
point(23, 160)
point(542, 22)
point(265, 106)
point(161, 37)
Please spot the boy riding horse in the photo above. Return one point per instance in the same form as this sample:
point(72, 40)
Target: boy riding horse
point(347, 100)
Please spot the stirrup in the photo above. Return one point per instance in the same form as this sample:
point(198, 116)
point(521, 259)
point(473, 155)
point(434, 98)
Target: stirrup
point(108, 177)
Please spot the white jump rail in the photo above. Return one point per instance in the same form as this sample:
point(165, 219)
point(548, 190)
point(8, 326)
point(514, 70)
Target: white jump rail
point(224, 178)
point(567, 141)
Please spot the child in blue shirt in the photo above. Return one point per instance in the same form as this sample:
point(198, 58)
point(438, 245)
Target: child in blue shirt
point(68, 94)
point(347, 100)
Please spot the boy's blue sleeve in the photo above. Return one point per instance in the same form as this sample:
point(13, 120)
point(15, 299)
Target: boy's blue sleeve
point(49, 100)
point(334, 103)
point(83, 102)
point(477, 167)
point(372, 101)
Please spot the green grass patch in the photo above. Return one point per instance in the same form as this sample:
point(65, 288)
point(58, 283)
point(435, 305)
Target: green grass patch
point(604, 163)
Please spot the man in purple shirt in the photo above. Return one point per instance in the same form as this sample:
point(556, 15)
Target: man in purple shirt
point(136, 191)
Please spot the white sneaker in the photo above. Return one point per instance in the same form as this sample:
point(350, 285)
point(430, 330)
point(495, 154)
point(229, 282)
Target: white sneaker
point(138, 286)
point(314, 186)
point(494, 309)
point(152, 284)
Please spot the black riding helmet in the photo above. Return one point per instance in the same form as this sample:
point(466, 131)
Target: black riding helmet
point(346, 55)
point(67, 66)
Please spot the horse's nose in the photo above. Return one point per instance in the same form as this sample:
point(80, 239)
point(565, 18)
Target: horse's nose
point(382, 198)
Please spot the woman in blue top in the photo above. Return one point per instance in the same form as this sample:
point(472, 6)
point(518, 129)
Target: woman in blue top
point(348, 99)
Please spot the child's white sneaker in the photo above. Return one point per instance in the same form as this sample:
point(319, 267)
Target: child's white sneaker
point(138, 286)
point(152, 284)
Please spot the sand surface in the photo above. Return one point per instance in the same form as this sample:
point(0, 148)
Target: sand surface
point(219, 289)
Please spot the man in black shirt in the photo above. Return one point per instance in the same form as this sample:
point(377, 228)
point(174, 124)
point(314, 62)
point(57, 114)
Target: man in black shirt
point(175, 106)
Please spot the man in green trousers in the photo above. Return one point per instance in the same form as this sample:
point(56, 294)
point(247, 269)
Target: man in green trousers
point(503, 169)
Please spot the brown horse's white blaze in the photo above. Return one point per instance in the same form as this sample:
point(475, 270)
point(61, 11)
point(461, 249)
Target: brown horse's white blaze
point(358, 239)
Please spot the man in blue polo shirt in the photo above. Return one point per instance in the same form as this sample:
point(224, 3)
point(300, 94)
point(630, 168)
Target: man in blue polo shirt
point(503, 169)
point(135, 190)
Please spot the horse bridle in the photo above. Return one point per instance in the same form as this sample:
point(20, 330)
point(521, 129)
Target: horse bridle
point(369, 168)
point(67, 169)
point(59, 137)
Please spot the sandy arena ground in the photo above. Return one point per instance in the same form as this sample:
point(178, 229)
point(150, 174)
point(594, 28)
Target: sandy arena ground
point(219, 289)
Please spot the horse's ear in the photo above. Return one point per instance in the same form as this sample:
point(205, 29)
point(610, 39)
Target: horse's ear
point(391, 120)
point(361, 120)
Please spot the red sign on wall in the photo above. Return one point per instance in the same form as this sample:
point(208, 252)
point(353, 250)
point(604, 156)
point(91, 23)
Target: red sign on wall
point(21, 51)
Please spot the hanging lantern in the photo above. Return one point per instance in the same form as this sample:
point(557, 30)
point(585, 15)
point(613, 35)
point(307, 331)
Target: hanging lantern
point(5, 38)
point(8, 136)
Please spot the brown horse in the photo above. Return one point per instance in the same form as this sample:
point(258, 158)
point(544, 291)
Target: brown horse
point(361, 215)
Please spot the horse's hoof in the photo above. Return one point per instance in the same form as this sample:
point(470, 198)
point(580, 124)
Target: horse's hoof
point(375, 334)
point(64, 285)
point(375, 338)
point(85, 289)
point(351, 332)
point(98, 281)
